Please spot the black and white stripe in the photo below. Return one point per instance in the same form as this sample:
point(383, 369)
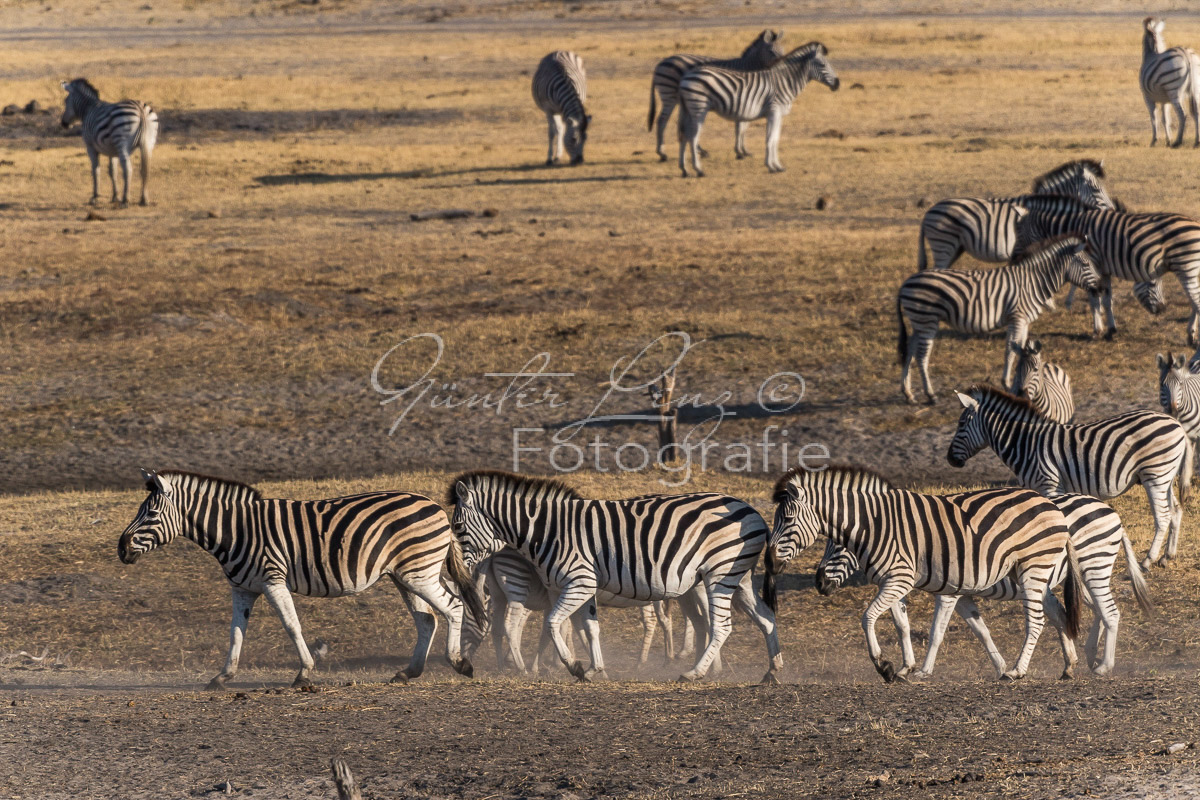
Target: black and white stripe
point(114, 130)
point(1098, 536)
point(1168, 77)
point(1179, 395)
point(744, 96)
point(762, 52)
point(986, 228)
point(982, 301)
point(318, 548)
point(1102, 459)
point(943, 544)
point(1045, 384)
point(644, 548)
point(560, 91)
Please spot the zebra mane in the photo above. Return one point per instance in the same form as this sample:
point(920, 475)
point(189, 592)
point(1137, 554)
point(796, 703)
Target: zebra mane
point(85, 87)
point(848, 473)
point(1083, 164)
point(804, 50)
point(1050, 243)
point(541, 488)
point(1044, 200)
point(986, 391)
point(196, 477)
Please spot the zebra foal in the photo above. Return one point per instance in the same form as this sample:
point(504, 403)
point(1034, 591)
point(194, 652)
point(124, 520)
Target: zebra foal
point(319, 548)
point(114, 130)
point(1168, 77)
point(745, 96)
point(1045, 384)
point(560, 91)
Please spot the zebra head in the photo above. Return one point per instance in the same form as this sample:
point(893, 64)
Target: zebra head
point(473, 526)
point(1081, 266)
point(1029, 369)
point(1150, 295)
point(1175, 378)
point(970, 437)
point(797, 523)
point(575, 136)
point(1082, 179)
point(765, 49)
point(158, 521)
point(835, 569)
point(81, 95)
point(819, 69)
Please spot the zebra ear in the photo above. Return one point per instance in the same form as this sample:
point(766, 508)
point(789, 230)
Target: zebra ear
point(1162, 361)
point(1180, 362)
point(64, 86)
point(1036, 347)
point(967, 401)
point(461, 491)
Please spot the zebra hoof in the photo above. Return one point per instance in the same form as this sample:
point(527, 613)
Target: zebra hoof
point(464, 667)
point(662, 156)
point(597, 675)
point(932, 400)
point(217, 684)
point(1067, 675)
point(916, 676)
point(1164, 561)
point(578, 672)
point(769, 679)
point(688, 677)
point(302, 682)
point(1010, 677)
point(699, 173)
point(399, 677)
point(1110, 334)
point(886, 670)
point(1147, 564)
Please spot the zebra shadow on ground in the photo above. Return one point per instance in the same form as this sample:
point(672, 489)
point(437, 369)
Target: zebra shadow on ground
point(353, 177)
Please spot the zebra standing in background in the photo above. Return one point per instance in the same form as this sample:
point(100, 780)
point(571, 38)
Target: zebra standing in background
point(1098, 536)
point(1168, 77)
point(319, 548)
point(1045, 384)
point(114, 130)
point(986, 228)
point(762, 52)
point(943, 544)
point(560, 90)
point(745, 96)
point(1103, 459)
point(981, 301)
point(1179, 394)
point(648, 548)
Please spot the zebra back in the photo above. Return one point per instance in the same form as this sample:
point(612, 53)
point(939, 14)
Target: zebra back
point(760, 53)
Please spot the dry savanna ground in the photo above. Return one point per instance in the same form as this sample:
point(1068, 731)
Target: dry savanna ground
point(233, 325)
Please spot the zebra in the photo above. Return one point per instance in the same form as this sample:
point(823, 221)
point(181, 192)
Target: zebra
point(644, 548)
point(745, 96)
point(1098, 535)
point(986, 228)
point(1132, 246)
point(560, 91)
point(114, 130)
point(943, 544)
point(1167, 77)
point(981, 301)
point(1103, 459)
point(1044, 383)
point(762, 52)
point(1179, 394)
point(319, 548)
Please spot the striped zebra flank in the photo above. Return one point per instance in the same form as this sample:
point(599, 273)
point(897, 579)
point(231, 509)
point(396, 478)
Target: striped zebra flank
point(1168, 77)
point(762, 52)
point(1045, 384)
point(560, 91)
point(114, 130)
point(1103, 459)
point(986, 228)
point(317, 548)
point(943, 544)
point(1098, 536)
point(982, 301)
point(649, 548)
point(744, 96)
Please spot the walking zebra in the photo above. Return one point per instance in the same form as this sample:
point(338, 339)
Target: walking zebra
point(1103, 459)
point(319, 548)
point(1168, 77)
point(1046, 385)
point(943, 544)
point(560, 90)
point(762, 52)
point(986, 228)
point(644, 548)
point(1098, 536)
point(745, 96)
point(114, 130)
point(1179, 395)
point(981, 301)
point(1134, 247)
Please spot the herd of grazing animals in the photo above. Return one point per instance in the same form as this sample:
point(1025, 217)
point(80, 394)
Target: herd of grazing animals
point(515, 544)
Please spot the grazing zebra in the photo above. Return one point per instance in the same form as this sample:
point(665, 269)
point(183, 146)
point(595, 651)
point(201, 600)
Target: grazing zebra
point(981, 301)
point(1179, 395)
point(1168, 77)
point(1134, 247)
point(745, 96)
point(943, 544)
point(644, 548)
point(560, 90)
point(114, 130)
point(762, 52)
point(318, 548)
point(1046, 385)
point(986, 228)
point(1098, 536)
point(1103, 459)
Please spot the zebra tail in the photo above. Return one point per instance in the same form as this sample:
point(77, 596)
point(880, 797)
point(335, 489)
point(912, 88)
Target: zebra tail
point(772, 568)
point(1073, 589)
point(921, 262)
point(467, 588)
point(1141, 592)
point(1186, 470)
point(653, 108)
point(902, 340)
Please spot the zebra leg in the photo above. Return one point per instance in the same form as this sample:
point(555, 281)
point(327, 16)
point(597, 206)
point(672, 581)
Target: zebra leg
point(514, 626)
point(662, 616)
point(719, 598)
point(591, 632)
point(774, 129)
point(575, 593)
point(893, 590)
point(281, 600)
point(969, 611)
point(739, 139)
point(243, 604)
point(145, 168)
point(649, 624)
point(689, 134)
point(1190, 281)
point(555, 125)
point(452, 610)
point(127, 171)
point(664, 117)
point(1178, 106)
point(1034, 587)
point(95, 159)
point(1160, 507)
point(920, 346)
point(1058, 618)
point(1018, 333)
point(426, 624)
point(942, 611)
point(694, 621)
point(1104, 613)
point(1106, 298)
point(904, 636)
point(1150, 104)
point(1166, 124)
point(764, 618)
point(112, 176)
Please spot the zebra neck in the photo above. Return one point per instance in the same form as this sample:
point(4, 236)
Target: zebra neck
point(217, 524)
point(524, 524)
point(1009, 434)
point(84, 104)
point(1046, 279)
point(1152, 44)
